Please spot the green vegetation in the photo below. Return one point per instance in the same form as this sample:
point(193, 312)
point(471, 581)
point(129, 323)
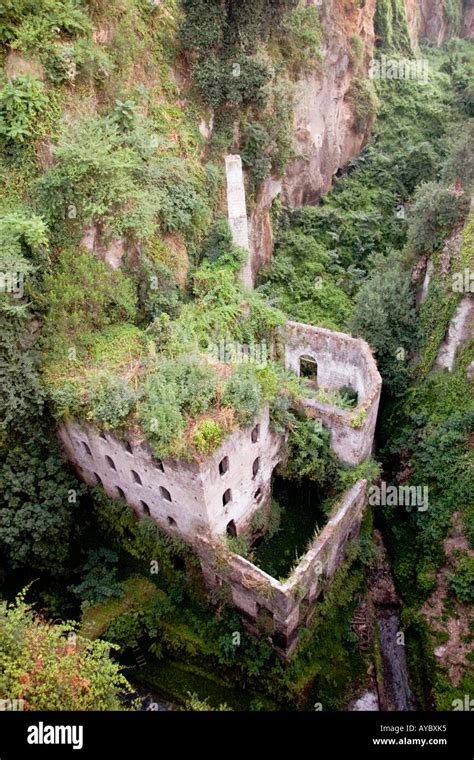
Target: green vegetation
point(391, 26)
point(34, 26)
point(21, 102)
point(311, 456)
point(75, 673)
point(103, 107)
point(462, 582)
point(123, 178)
point(245, 82)
point(384, 315)
point(363, 97)
point(38, 498)
point(300, 515)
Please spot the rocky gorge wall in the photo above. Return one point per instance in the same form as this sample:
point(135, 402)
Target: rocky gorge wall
point(438, 20)
point(327, 134)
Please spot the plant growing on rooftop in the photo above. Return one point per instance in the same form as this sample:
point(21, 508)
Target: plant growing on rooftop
point(207, 436)
point(243, 393)
point(110, 399)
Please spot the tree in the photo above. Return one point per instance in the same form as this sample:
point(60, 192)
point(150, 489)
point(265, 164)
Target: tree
point(21, 392)
point(52, 667)
point(311, 456)
point(37, 501)
point(385, 316)
point(434, 212)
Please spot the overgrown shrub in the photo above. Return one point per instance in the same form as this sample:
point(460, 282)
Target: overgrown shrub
point(459, 165)
point(161, 418)
point(22, 101)
point(119, 180)
point(310, 454)
point(434, 212)
point(218, 246)
point(82, 295)
point(363, 98)
point(385, 316)
point(461, 582)
point(34, 25)
point(38, 497)
point(180, 387)
point(207, 436)
point(99, 578)
point(64, 672)
point(243, 393)
point(110, 400)
point(300, 38)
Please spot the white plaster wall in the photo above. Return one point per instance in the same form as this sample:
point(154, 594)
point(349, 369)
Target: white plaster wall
point(341, 360)
point(237, 211)
point(196, 488)
point(241, 453)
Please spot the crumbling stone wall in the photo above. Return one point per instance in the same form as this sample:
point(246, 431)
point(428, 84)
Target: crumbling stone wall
point(201, 500)
point(237, 212)
point(184, 498)
point(341, 360)
point(289, 604)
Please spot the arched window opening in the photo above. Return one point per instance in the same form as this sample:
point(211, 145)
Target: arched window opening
point(309, 368)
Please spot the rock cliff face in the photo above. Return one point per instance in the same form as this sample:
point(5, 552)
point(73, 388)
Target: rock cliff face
point(325, 132)
point(438, 20)
point(260, 226)
point(467, 29)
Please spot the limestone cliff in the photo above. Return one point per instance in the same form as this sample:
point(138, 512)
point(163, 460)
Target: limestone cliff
point(327, 132)
point(327, 135)
point(438, 20)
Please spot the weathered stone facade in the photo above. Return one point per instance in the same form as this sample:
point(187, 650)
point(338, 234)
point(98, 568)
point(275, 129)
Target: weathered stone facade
point(184, 498)
point(286, 606)
point(237, 212)
point(202, 500)
point(341, 361)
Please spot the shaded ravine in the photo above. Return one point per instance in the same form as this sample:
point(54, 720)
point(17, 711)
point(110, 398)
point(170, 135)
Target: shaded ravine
point(377, 624)
point(398, 695)
point(394, 691)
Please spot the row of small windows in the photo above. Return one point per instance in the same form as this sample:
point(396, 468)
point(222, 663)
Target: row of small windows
point(136, 477)
point(164, 493)
point(158, 462)
point(171, 521)
point(224, 466)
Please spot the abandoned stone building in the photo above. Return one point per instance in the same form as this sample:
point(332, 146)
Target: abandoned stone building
point(202, 501)
point(217, 496)
point(337, 360)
